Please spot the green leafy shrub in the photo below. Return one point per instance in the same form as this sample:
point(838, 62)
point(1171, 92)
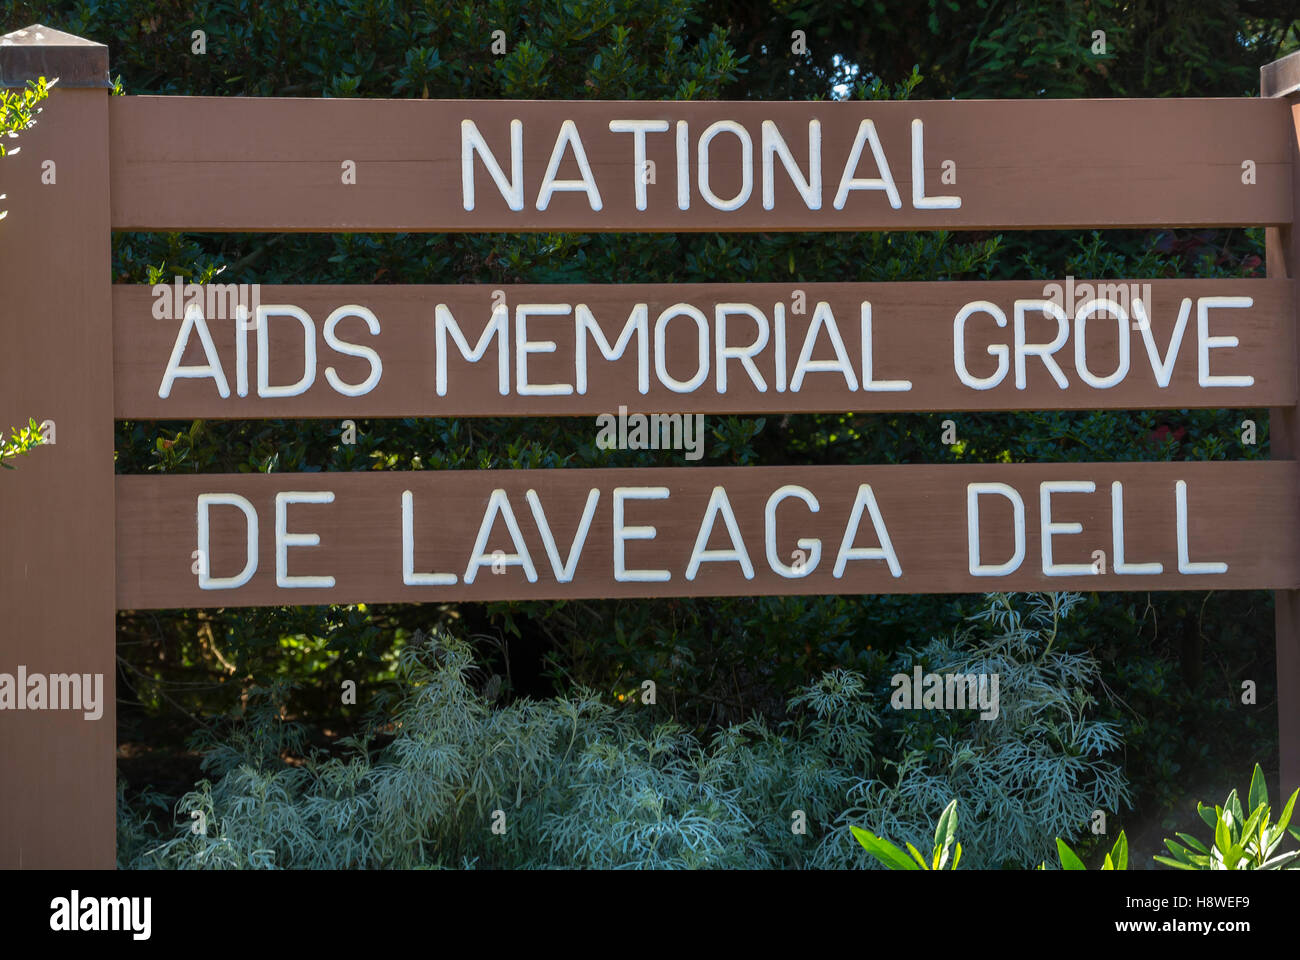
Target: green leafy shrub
point(945, 835)
point(1117, 859)
point(18, 110)
point(1240, 842)
point(577, 781)
point(1035, 773)
point(19, 442)
point(580, 782)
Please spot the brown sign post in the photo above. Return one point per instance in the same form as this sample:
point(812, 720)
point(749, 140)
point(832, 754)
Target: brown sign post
point(57, 768)
point(77, 541)
point(1280, 81)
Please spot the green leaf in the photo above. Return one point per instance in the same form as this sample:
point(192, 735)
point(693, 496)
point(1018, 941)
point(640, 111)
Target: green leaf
point(1119, 852)
point(1233, 856)
point(1280, 861)
point(1208, 814)
point(883, 850)
point(1233, 806)
point(945, 833)
point(1179, 851)
point(1173, 863)
point(1222, 835)
point(919, 859)
point(1257, 817)
point(1258, 789)
point(1069, 860)
point(1283, 820)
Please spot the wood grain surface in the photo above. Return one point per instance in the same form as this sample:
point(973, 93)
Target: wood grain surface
point(913, 331)
point(235, 163)
point(1242, 514)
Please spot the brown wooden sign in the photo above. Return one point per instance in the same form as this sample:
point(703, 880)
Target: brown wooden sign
point(235, 540)
point(311, 351)
point(235, 163)
point(248, 164)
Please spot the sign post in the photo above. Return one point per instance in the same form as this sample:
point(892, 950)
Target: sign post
point(58, 736)
point(1281, 79)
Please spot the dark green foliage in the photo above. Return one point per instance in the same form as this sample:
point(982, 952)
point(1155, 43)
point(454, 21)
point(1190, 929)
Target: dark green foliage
point(1003, 49)
point(449, 778)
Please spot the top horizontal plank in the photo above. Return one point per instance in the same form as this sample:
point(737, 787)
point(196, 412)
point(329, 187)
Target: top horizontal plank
point(248, 164)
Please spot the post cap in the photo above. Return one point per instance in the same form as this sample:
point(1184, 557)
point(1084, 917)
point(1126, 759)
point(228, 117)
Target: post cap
point(41, 51)
point(1281, 77)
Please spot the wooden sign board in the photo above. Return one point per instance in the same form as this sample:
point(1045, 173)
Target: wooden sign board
point(236, 163)
point(390, 351)
point(343, 165)
point(237, 540)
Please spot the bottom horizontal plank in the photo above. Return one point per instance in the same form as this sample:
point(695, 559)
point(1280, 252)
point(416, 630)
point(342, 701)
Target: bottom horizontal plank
point(223, 540)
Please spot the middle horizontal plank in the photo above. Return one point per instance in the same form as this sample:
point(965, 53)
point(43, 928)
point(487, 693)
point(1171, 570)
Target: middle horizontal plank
point(251, 352)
